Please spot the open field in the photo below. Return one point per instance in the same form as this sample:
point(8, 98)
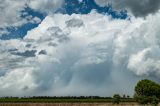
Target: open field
point(61, 100)
point(68, 104)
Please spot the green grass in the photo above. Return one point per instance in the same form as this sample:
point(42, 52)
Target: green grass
point(43, 100)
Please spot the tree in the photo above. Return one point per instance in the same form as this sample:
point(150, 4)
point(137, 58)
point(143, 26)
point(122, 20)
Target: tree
point(124, 96)
point(116, 99)
point(128, 96)
point(154, 100)
point(147, 91)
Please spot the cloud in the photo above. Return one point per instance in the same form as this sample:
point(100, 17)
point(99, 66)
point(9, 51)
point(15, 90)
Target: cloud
point(14, 82)
point(74, 23)
point(145, 63)
point(15, 19)
point(102, 56)
point(138, 8)
point(45, 6)
point(42, 52)
point(27, 53)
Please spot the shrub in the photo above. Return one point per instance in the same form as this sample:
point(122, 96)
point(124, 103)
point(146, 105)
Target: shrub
point(116, 99)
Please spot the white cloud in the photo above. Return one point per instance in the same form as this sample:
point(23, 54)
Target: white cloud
point(16, 82)
point(102, 56)
point(9, 18)
point(145, 63)
point(11, 11)
point(47, 6)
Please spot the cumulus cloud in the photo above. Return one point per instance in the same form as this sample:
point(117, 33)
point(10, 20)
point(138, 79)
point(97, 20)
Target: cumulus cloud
point(11, 18)
point(11, 11)
point(90, 54)
point(46, 6)
point(138, 8)
point(142, 63)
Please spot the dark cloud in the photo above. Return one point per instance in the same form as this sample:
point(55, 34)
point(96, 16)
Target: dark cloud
point(42, 52)
point(140, 8)
point(52, 44)
point(54, 34)
point(25, 88)
point(28, 45)
point(27, 53)
point(13, 50)
point(74, 23)
point(57, 33)
point(2, 73)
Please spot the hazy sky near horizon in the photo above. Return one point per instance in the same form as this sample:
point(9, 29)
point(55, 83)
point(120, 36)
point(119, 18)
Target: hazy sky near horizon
point(77, 47)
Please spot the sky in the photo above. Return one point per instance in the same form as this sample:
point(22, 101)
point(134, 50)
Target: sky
point(78, 47)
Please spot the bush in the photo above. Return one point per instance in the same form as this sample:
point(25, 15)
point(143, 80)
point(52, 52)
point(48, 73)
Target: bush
point(116, 99)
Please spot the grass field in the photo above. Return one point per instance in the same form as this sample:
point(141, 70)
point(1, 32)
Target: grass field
point(63, 101)
point(42, 101)
point(68, 104)
point(60, 100)
point(54, 100)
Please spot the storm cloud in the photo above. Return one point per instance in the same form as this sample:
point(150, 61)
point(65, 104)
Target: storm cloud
point(139, 8)
point(102, 56)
